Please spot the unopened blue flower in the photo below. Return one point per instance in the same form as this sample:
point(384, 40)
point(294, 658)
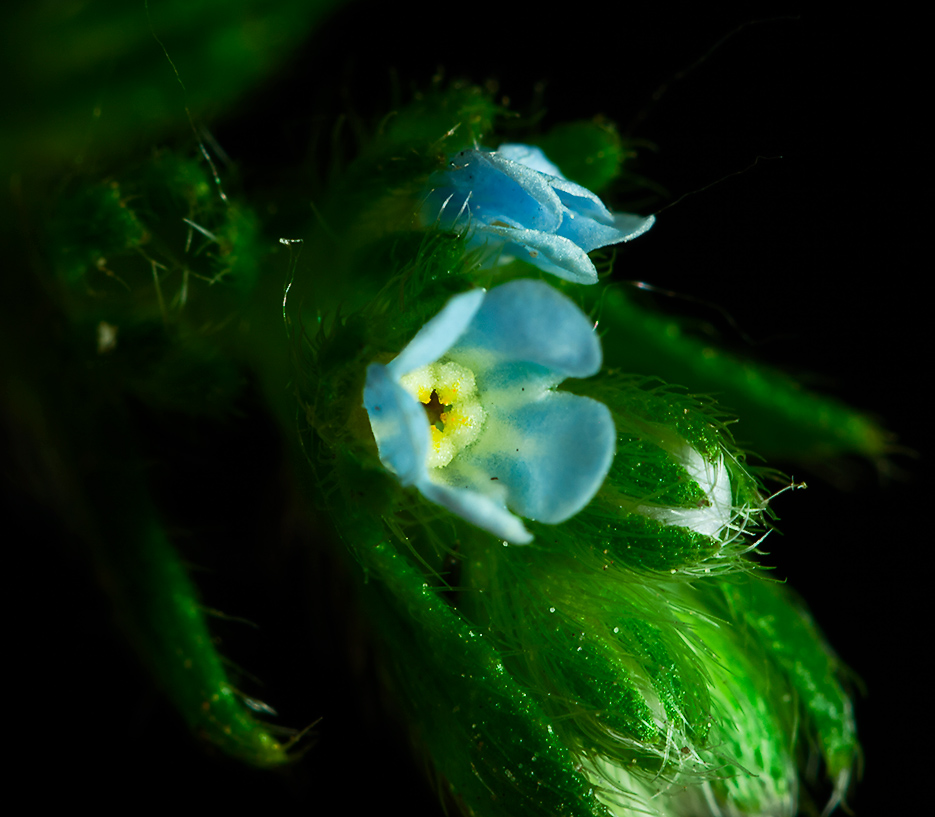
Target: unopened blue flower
point(468, 411)
point(516, 203)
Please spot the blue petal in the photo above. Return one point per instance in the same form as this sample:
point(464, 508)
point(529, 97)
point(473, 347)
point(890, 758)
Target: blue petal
point(542, 454)
point(551, 455)
point(632, 226)
point(581, 201)
point(483, 511)
point(531, 157)
point(569, 444)
point(550, 252)
point(517, 204)
point(480, 187)
point(399, 425)
point(529, 321)
point(589, 234)
point(591, 231)
point(509, 385)
point(547, 213)
point(434, 339)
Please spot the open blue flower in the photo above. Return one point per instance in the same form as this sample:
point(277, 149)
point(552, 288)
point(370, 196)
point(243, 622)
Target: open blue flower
point(468, 412)
point(516, 203)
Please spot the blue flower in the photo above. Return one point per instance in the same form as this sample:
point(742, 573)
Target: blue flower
point(468, 412)
point(516, 203)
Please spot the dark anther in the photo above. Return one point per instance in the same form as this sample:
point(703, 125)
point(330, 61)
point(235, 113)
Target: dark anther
point(434, 409)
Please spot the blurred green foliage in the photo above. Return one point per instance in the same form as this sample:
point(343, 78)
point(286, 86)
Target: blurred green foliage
point(93, 77)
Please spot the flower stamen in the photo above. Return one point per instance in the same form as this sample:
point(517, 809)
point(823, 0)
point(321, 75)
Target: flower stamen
point(448, 393)
point(436, 411)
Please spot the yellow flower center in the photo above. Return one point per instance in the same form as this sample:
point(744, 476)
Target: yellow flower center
point(449, 394)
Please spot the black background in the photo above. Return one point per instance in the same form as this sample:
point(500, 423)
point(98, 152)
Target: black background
point(810, 250)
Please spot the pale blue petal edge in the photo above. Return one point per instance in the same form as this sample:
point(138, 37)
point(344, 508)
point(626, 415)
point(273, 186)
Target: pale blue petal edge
point(399, 425)
point(438, 335)
point(527, 320)
point(590, 234)
point(549, 252)
point(581, 200)
point(632, 226)
point(478, 509)
point(530, 156)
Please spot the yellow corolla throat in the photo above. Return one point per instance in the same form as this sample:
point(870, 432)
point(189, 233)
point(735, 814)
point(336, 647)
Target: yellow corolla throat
point(449, 395)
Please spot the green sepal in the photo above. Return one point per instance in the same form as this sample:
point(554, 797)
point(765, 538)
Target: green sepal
point(646, 544)
point(77, 407)
point(776, 618)
point(778, 418)
point(154, 599)
point(89, 226)
point(750, 746)
point(158, 605)
point(586, 679)
point(490, 742)
point(159, 243)
point(595, 643)
point(654, 424)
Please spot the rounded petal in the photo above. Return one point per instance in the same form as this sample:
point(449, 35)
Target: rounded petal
point(529, 321)
point(399, 425)
point(590, 234)
point(632, 226)
point(480, 510)
point(551, 456)
point(434, 339)
point(570, 445)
